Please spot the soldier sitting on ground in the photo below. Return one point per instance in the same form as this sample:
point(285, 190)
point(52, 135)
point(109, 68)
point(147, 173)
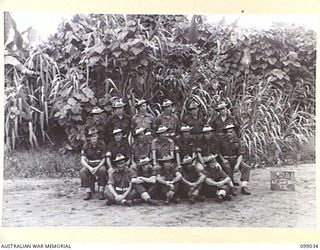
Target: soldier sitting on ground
point(217, 184)
point(191, 181)
point(119, 189)
point(144, 179)
point(168, 179)
point(93, 162)
point(232, 153)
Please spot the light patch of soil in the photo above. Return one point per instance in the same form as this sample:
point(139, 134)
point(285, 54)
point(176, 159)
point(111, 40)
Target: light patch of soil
point(59, 202)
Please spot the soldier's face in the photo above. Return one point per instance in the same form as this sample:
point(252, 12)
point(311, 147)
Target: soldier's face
point(167, 164)
point(207, 135)
point(121, 165)
point(118, 137)
point(94, 138)
point(223, 111)
point(143, 107)
point(230, 133)
point(96, 118)
point(167, 110)
point(118, 111)
point(214, 164)
point(186, 134)
point(194, 111)
point(145, 167)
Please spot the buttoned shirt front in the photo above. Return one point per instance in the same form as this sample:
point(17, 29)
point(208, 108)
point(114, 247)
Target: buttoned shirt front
point(163, 146)
point(94, 152)
point(140, 150)
point(231, 147)
point(216, 174)
point(120, 179)
point(170, 121)
point(142, 121)
point(121, 147)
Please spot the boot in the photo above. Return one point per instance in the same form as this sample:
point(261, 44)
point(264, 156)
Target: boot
point(152, 202)
point(245, 190)
point(102, 197)
point(88, 196)
point(192, 199)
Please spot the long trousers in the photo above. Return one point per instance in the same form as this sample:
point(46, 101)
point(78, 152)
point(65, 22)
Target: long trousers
point(88, 179)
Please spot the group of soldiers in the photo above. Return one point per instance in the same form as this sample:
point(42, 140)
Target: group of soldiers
point(162, 159)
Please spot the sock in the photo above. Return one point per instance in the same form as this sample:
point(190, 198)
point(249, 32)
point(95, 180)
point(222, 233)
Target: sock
point(222, 192)
point(101, 188)
point(244, 183)
point(145, 196)
point(88, 190)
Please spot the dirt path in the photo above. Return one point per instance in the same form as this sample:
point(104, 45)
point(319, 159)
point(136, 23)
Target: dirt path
point(58, 202)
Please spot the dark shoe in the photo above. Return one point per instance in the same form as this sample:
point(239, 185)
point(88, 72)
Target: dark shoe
point(109, 203)
point(219, 198)
point(176, 200)
point(200, 198)
point(102, 197)
point(234, 191)
point(192, 199)
point(152, 202)
point(245, 190)
point(88, 197)
point(236, 184)
point(127, 203)
point(228, 197)
point(137, 201)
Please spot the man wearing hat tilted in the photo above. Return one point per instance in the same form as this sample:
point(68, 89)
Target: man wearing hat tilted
point(217, 184)
point(168, 179)
point(93, 162)
point(119, 120)
point(232, 151)
point(142, 119)
point(162, 145)
point(222, 119)
point(141, 147)
point(118, 145)
point(195, 118)
point(119, 189)
point(144, 179)
point(192, 180)
point(168, 119)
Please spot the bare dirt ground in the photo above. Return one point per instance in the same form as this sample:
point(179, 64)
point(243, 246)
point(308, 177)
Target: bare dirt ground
point(58, 202)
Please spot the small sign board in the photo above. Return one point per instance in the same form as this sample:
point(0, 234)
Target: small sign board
point(282, 180)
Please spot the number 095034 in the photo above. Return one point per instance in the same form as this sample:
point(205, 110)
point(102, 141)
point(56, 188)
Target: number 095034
point(309, 246)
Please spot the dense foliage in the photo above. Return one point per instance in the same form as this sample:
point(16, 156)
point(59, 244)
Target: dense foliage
point(267, 75)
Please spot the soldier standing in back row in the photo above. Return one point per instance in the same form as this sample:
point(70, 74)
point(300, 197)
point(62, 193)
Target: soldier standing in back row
point(119, 120)
point(232, 151)
point(168, 119)
point(142, 119)
point(195, 119)
point(221, 120)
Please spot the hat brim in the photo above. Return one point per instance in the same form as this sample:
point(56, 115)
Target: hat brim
point(161, 132)
point(207, 131)
point(222, 106)
point(144, 163)
point(164, 160)
point(118, 132)
point(189, 161)
point(139, 104)
point(123, 159)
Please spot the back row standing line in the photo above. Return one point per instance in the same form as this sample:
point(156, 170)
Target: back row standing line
point(194, 138)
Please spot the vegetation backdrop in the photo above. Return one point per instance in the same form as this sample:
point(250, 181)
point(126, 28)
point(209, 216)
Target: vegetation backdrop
point(268, 77)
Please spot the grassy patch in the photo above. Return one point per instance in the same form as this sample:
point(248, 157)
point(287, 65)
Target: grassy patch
point(41, 163)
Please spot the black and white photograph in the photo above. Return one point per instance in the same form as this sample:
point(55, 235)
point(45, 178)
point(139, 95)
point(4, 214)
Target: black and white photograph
point(159, 120)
